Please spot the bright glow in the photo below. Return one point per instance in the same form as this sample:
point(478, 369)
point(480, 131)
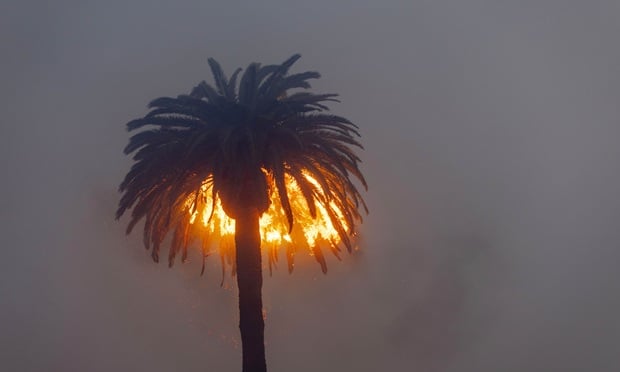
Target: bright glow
point(307, 231)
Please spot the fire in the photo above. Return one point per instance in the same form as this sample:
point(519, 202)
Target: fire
point(307, 231)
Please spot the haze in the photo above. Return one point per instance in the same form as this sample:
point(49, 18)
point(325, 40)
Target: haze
point(491, 131)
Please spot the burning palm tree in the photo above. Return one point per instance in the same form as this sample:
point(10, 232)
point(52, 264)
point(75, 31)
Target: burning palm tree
point(234, 166)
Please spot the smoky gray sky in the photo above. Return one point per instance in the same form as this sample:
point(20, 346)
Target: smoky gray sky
point(491, 131)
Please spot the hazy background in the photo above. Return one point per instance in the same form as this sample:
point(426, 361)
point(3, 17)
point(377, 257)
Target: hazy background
point(491, 132)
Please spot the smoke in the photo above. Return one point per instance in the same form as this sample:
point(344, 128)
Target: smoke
point(490, 131)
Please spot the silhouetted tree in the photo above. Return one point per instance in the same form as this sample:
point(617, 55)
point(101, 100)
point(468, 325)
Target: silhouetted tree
point(242, 140)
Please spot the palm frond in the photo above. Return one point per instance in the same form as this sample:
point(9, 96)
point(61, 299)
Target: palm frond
point(196, 151)
point(218, 76)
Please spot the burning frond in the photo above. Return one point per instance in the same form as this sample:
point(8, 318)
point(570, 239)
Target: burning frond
point(195, 153)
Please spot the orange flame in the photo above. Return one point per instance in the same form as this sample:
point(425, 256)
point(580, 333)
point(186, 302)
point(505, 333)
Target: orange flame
point(307, 231)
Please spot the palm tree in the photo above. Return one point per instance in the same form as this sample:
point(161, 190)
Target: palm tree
point(242, 146)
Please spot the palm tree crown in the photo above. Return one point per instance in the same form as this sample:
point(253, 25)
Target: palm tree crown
point(239, 145)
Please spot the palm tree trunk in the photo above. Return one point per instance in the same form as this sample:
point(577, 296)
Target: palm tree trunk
point(250, 282)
